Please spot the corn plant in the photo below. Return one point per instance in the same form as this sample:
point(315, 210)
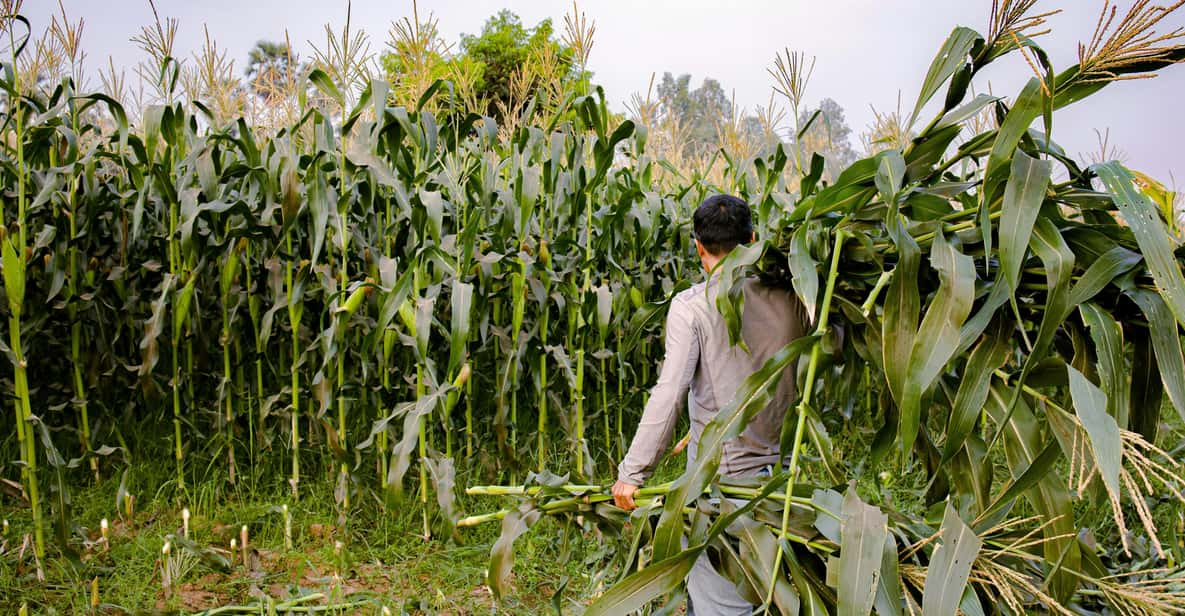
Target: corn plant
point(13, 247)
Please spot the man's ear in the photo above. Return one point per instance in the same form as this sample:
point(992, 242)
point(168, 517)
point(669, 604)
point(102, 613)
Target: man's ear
point(699, 248)
point(753, 237)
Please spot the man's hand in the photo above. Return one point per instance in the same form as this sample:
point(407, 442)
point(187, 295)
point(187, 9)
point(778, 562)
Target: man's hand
point(623, 495)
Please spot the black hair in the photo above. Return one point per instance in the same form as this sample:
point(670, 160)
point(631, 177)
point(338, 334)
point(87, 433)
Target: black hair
point(722, 222)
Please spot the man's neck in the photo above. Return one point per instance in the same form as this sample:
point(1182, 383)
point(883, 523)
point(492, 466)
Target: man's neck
point(709, 262)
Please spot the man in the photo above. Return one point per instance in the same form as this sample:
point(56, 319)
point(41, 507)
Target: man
point(700, 359)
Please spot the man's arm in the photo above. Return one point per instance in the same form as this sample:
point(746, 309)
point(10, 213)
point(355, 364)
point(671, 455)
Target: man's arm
point(662, 409)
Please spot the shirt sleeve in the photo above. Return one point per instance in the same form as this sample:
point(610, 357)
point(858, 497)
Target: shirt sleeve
point(667, 398)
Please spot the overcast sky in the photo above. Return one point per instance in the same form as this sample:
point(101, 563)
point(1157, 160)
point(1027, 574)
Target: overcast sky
point(867, 51)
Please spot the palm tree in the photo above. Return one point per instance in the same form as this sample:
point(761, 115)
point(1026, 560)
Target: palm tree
point(270, 67)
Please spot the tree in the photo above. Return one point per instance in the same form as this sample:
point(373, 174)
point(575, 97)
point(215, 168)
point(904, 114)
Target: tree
point(494, 72)
point(829, 136)
point(698, 111)
point(504, 47)
point(271, 68)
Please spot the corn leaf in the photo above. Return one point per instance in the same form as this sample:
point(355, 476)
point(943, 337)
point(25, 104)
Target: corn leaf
point(1023, 196)
point(865, 529)
point(951, 56)
point(1090, 403)
point(950, 565)
point(1166, 343)
point(1143, 218)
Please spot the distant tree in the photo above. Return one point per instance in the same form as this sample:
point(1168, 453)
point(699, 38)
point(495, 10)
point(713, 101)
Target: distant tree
point(504, 47)
point(271, 68)
point(830, 136)
point(765, 137)
point(699, 112)
point(492, 71)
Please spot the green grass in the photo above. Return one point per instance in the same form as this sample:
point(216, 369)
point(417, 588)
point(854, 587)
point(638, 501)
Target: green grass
point(384, 559)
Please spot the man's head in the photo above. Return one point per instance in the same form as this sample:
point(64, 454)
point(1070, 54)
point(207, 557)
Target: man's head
point(721, 223)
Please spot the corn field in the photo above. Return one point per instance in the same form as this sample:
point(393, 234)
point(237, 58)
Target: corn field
point(388, 290)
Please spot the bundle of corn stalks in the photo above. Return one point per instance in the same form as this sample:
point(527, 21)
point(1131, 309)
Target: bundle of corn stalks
point(837, 545)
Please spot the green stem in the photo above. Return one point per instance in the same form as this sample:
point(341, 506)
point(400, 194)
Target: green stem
point(177, 416)
point(469, 420)
point(24, 416)
point(423, 436)
point(75, 323)
point(578, 399)
point(382, 437)
point(804, 403)
point(542, 435)
point(620, 399)
point(294, 321)
point(881, 283)
point(259, 395)
point(604, 387)
point(229, 393)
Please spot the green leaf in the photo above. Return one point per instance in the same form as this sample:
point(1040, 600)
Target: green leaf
point(1090, 403)
point(1028, 479)
point(966, 111)
point(636, 591)
point(1102, 271)
point(804, 270)
point(502, 553)
point(14, 275)
point(434, 207)
point(665, 574)
point(1108, 346)
point(412, 413)
point(937, 339)
point(323, 83)
point(1016, 124)
point(1142, 216)
point(1023, 446)
point(461, 302)
point(890, 174)
point(946, 577)
point(902, 307)
point(1023, 196)
point(181, 309)
point(988, 356)
point(604, 309)
point(423, 323)
point(319, 207)
point(828, 505)
point(645, 317)
point(758, 550)
point(603, 152)
point(1147, 390)
point(951, 56)
point(1058, 260)
point(889, 595)
point(865, 529)
point(1166, 343)
point(727, 287)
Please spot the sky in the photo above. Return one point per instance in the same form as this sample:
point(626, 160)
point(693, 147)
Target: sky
point(870, 54)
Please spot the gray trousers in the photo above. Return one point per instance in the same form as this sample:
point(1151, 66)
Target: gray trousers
point(711, 594)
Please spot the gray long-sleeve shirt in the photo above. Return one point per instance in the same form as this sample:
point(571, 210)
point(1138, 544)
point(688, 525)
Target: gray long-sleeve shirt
point(700, 360)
